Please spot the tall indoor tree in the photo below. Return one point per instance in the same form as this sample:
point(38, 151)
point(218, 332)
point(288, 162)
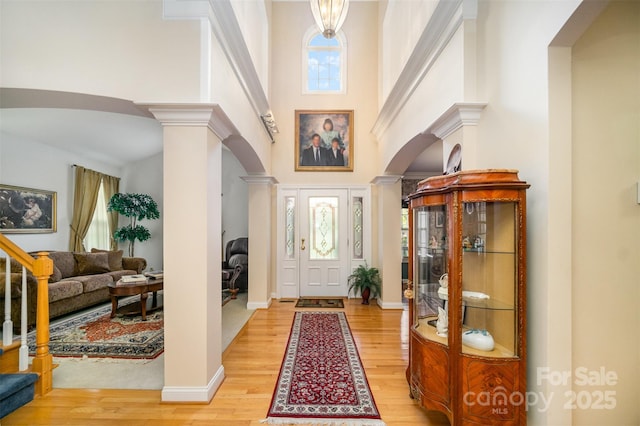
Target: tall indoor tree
point(136, 207)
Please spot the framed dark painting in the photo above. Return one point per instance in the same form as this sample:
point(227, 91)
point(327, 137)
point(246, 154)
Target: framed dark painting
point(27, 210)
point(324, 141)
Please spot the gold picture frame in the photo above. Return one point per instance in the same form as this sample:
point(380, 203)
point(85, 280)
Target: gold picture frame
point(333, 132)
point(27, 210)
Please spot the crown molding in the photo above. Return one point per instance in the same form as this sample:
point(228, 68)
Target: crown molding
point(259, 180)
point(445, 21)
point(209, 115)
point(458, 115)
point(386, 179)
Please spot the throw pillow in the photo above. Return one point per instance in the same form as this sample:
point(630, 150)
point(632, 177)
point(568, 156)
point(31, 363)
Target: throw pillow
point(91, 263)
point(65, 262)
point(115, 258)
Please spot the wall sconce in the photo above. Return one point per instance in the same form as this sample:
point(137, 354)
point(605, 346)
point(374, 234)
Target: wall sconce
point(329, 15)
point(270, 125)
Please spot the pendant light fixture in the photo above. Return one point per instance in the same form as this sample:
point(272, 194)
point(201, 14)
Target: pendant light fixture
point(329, 15)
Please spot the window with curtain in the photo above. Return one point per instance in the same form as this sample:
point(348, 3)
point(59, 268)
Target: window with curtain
point(99, 234)
point(325, 63)
point(92, 192)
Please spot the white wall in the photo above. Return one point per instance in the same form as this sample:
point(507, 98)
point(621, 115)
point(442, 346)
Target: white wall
point(229, 94)
point(122, 49)
point(254, 24)
point(606, 213)
point(145, 177)
point(403, 24)
point(32, 164)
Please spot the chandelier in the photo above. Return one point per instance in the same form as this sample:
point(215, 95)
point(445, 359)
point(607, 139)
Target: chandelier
point(329, 15)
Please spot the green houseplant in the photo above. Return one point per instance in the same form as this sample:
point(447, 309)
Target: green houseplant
point(367, 281)
point(136, 207)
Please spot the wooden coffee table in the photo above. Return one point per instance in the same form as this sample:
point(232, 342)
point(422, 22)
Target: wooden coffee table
point(120, 289)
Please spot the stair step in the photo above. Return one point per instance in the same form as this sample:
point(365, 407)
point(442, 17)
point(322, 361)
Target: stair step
point(16, 390)
point(10, 357)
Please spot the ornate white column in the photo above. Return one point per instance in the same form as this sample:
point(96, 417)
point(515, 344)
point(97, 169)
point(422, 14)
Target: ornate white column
point(260, 246)
point(389, 201)
point(192, 135)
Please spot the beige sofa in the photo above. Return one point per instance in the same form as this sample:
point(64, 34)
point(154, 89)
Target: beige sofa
point(79, 280)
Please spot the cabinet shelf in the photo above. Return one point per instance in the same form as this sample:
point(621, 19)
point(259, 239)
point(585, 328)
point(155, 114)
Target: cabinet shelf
point(483, 251)
point(429, 332)
point(476, 302)
point(490, 304)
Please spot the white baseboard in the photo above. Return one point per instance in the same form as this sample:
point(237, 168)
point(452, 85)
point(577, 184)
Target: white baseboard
point(394, 305)
point(194, 394)
point(259, 305)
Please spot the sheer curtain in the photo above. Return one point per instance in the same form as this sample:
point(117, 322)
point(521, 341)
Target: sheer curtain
point(87, 187)
point(98, 235)
point(111, 186)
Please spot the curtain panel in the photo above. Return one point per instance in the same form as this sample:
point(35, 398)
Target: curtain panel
point(86, 188)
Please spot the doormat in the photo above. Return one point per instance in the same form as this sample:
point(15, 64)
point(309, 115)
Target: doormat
point(321, 380)
point(320, 303)
point(94, 334)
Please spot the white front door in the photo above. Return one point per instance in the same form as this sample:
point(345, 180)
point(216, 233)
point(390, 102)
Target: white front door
point(324, 242)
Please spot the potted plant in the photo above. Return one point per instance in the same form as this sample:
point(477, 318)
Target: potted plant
point(367, 281)
point(135, 207)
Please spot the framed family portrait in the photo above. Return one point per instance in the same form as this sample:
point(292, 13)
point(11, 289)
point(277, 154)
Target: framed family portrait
point(324, 141)
point(27, 210)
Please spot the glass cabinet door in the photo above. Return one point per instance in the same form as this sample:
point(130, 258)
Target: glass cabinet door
point(430, 267)
point(489, 278)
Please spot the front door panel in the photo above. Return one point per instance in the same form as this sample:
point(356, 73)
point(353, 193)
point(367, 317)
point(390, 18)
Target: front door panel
point(324, 243)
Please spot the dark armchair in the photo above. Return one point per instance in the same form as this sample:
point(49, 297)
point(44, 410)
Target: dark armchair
point(237, 254)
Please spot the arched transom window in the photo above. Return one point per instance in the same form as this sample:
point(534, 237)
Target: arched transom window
point(325, 65)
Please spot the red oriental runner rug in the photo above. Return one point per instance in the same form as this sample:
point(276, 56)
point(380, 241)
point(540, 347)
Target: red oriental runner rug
point(321, 380)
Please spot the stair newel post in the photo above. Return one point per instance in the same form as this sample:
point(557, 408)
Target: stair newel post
point(43, 361)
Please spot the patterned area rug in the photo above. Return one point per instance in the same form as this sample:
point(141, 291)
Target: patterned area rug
point(319, 303)
point(94, 334)
point(321, 379)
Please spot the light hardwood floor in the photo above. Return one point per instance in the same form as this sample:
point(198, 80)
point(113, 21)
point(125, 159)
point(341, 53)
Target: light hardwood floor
point(251, 363)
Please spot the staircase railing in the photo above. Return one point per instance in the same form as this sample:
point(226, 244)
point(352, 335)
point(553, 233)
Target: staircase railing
point(41, 268)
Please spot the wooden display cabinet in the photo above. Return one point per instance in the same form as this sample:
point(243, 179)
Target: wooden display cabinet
point(471, 226)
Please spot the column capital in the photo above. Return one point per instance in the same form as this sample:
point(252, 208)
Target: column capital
point(386, 179)
point(259, 180)
point(458, 115)
point(197, 114)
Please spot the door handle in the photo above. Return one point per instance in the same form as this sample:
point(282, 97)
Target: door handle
point(302, 246)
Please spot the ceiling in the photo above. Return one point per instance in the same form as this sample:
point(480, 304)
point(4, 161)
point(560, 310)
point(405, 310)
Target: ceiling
point(108, 137)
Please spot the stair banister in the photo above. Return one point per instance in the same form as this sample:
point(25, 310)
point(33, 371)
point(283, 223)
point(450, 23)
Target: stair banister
point(24, 349)
point(7, 325)
point(41, 268)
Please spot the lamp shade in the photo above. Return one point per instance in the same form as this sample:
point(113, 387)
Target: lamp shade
point(329, 15)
